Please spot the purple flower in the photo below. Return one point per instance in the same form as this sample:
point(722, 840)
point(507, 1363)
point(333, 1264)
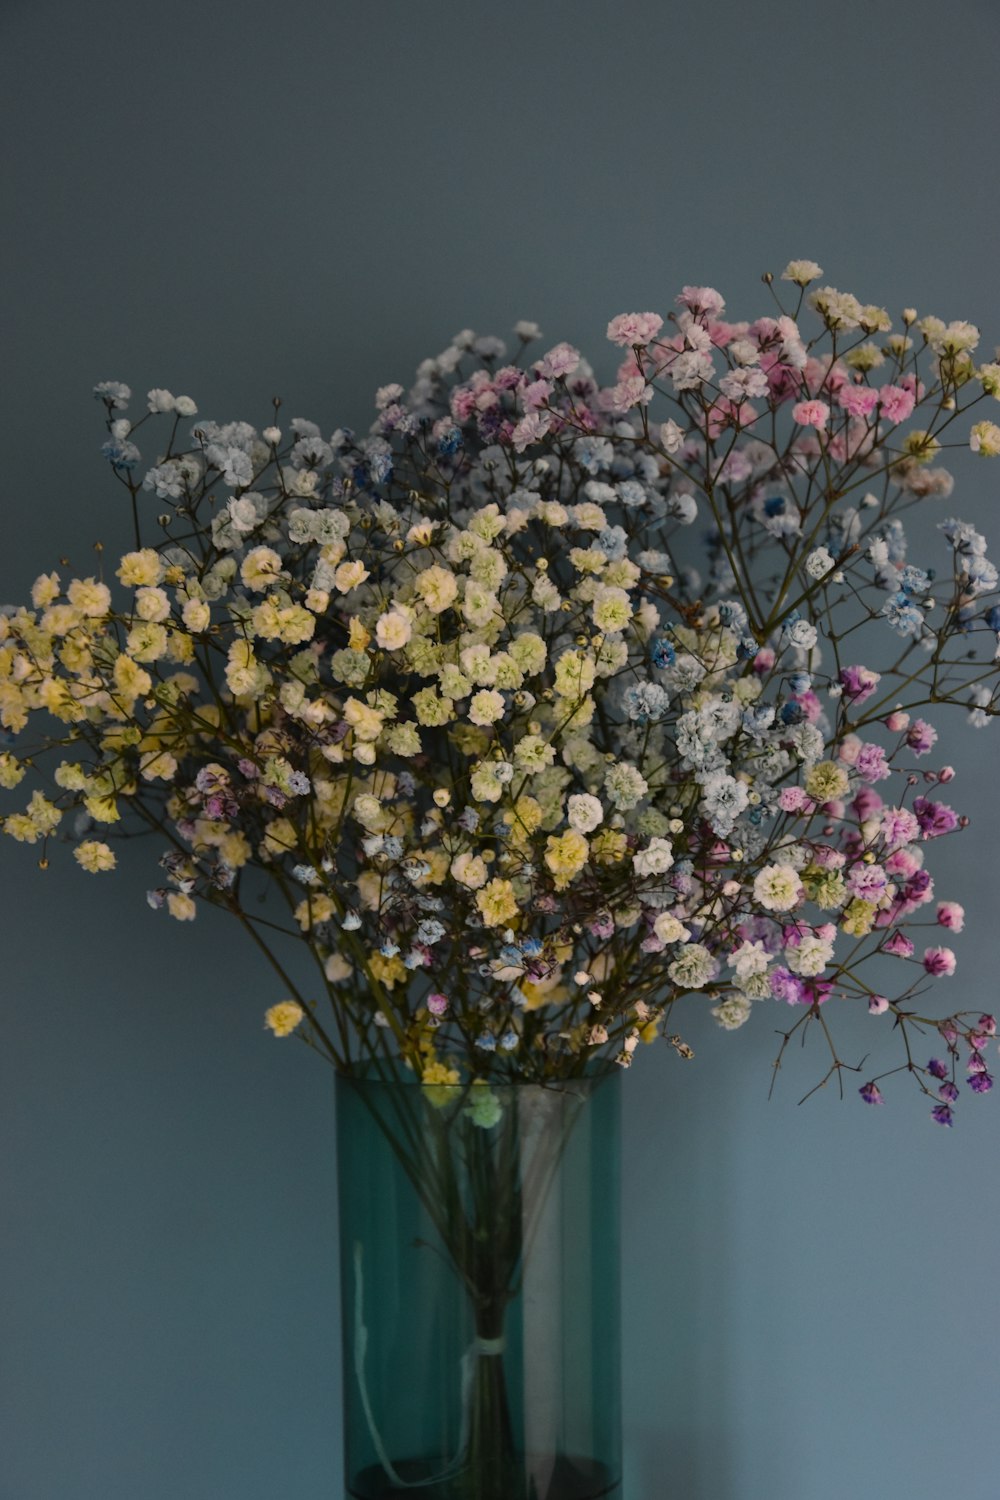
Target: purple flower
point(921, 736)
point(980, 1083)
point(871, 1093)
point(935, 818)
point(871, 763)
point(937, 1069)
point(948, 1091)
point(858, 683)
point(899, 944)
point(941, 1113)
point(788, 987)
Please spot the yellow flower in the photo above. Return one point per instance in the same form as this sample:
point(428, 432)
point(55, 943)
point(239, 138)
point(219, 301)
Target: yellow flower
point(43, 813)
point(284, 1017)
point(497, 902)
point(94, 856)
point(181, 907)
point(826, 781)
point(566, 855)
point(349, 575)
point(261, 568)
point(357, 637)
point(388, 971)
point(11, 771)
point(858, 918)
point(316, 908)
point(45, 590)
point(984, 439)
point(142, 569)
point(439, 1073)
point(131, 682)
point(89, 597)
point(609, 847)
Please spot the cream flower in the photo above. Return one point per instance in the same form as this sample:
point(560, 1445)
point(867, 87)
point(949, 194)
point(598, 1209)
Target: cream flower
point(284, 1017)
point(260, 569)
point(94, 856)
point(437, 587)
point(497, 903)
point(777, 888)
point(393, 630)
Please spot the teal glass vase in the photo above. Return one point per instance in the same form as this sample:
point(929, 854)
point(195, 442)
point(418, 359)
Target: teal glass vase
point(480, 1289)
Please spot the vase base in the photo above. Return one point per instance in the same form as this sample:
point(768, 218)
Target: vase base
point(558, 1478)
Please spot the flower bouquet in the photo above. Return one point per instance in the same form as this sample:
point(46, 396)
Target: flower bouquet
point(544, 709)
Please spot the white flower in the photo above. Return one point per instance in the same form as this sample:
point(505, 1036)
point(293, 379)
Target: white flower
point(584, 812)
point(733, 1012)
point(801, 272)
point(819, 561)
point(777, 888)
point(801, 634)
point(749, 959)
point(694, 967)
point(655, 859)
point(158, 401)
point(669, 929)
point(625, 786)
point(671, 436)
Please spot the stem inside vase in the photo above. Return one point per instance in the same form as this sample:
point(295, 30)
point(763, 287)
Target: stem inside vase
point(481, 1346)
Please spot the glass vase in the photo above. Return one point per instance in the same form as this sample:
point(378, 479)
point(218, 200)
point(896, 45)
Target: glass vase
point(479, 1230)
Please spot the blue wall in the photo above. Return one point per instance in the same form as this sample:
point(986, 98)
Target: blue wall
point(236, 200)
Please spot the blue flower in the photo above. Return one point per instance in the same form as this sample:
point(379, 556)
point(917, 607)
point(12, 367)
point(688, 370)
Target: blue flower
point(430, 931)
point(903, 615)
point(645, 701)
point(662, 653)
point(613, 542)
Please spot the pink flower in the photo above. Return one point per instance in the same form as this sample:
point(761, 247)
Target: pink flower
point(896, 403)
point(626, 394)
point(849, 749)
point(437, 1004)
point(536, 394)
point(878, 1005)
point(561, 360)
point(897, 722)
point(858, 400)
point(530, 429)
point(939, 961)
point(951, 915)
point(899, 944)
point(794, 799)
point(811, 414)
point(702, 299)
point(634, 328)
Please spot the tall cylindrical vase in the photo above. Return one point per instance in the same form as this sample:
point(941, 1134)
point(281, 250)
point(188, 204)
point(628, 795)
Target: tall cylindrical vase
point(479, 1233)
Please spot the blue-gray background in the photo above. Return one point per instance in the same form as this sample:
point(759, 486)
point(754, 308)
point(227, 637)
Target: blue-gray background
point(238, 200)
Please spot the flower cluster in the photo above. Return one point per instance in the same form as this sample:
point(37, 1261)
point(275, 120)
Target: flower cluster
point(542, 704)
